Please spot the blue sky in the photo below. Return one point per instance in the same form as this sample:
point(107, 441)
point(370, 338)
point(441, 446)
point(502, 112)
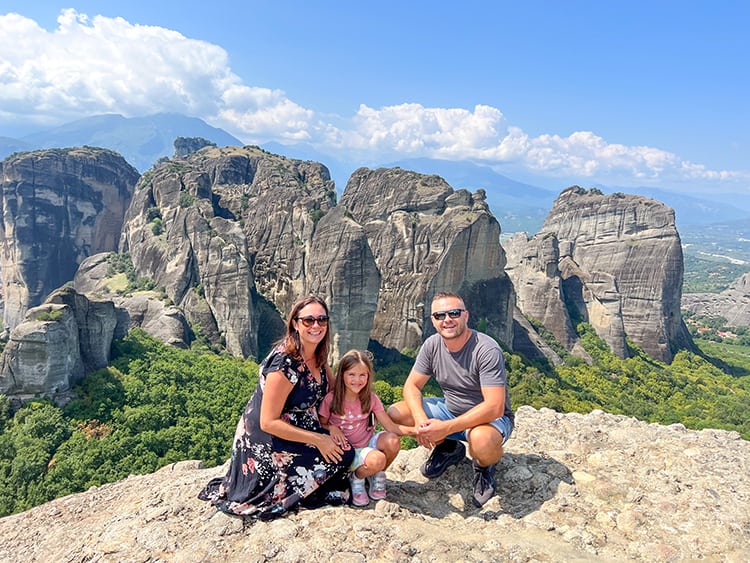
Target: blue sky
point(593, 92)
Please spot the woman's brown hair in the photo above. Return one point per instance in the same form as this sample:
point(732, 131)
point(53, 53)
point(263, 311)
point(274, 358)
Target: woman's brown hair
point(291, 341)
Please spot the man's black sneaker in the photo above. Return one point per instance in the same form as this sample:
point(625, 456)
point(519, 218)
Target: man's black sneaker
point(484, 484)
point(450, 452)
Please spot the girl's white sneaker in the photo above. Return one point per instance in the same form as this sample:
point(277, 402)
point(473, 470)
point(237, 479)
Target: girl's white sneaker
point(359, 496)
point(377, 485)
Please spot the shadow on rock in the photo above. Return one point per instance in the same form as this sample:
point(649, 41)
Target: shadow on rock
point(524, 483)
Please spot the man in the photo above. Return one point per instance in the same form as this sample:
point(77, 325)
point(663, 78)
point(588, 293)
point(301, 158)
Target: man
point(470, 369)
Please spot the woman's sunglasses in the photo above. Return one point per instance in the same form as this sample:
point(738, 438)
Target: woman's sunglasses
point(453, 314)
point(322, 320)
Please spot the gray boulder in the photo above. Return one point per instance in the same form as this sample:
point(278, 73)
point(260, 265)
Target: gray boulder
point(57, 343)
point(143, 309)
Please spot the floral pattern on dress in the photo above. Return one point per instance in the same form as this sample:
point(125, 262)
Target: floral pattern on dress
point(268, 476)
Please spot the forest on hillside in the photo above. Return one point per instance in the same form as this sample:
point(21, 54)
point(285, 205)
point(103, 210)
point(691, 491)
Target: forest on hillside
point(156, 405)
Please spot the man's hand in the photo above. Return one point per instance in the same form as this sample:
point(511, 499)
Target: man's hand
point(431, 432)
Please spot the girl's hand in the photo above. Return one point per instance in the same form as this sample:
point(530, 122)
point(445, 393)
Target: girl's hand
point(330, 451)
point(338, 436)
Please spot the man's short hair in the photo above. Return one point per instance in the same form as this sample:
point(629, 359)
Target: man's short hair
point(446, 294)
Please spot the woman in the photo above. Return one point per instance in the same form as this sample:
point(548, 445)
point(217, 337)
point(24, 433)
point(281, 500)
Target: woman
point(282, 457)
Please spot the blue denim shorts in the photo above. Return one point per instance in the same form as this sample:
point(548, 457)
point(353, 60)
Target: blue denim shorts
point(434, 407)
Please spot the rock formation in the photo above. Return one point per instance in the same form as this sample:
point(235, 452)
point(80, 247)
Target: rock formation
point(57, 343)
point(184, 146)
point(143, 309)
point(248, 228)
point(571, 487)
point(230, 237)
point(426, 237)
point(533, 265)
point(222, 224)
point(342, 268)
point(733, 303)
point(59, 206)
point(618, 266)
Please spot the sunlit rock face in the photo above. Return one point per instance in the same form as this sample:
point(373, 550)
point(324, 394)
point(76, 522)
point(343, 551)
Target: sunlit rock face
point(733, 303)
point(427, 237)
point(58, 207)
point(620, 268)
point(57, 343)
point(235, 235)
point(227, 233)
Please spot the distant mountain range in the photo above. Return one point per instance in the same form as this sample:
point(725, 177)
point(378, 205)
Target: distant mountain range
point(517, 205)
point(140, 140)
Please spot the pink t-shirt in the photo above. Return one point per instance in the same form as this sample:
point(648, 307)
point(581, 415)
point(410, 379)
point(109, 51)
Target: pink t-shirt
point(353, 422)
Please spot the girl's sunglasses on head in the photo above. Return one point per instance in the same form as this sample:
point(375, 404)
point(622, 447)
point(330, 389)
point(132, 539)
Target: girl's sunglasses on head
point(322, 320)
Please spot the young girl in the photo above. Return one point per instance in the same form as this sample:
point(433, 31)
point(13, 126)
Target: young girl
point(347, 411)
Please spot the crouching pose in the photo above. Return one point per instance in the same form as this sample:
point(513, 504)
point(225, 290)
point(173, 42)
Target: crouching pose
point(470, 369)
point(282, 458)
point(349, 412)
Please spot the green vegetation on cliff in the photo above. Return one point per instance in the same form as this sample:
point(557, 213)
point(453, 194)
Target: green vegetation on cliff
point(156, 404)
point(153, 406)
point(691, 390)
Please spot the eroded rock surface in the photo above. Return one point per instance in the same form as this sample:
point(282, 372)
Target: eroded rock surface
point(619, 267)
point(57, 343)
point(59, 206)
point(733, 303)
point(427, 237)
point(594, 487)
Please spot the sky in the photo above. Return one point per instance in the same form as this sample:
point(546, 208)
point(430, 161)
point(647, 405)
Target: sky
point(627, 93)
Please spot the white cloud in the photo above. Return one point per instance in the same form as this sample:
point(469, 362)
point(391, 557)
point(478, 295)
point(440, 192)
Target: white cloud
point(108, 65)
point(260, 113)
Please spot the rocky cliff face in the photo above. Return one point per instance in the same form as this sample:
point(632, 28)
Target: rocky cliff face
point(252, 229)
point(57, 343)
point(426, 237)
point(233, 235)
point(733, 303)
point(143, 309)
point(620, 268)
point(342, 267)
point(222, 224)
point(533, 265)
point(59, 206)
point(571, 487)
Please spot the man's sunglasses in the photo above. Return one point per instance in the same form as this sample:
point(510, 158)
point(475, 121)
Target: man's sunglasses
point(322, 320)
point(453, 314)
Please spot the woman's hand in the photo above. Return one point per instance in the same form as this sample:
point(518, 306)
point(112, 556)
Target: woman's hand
point(329, 449)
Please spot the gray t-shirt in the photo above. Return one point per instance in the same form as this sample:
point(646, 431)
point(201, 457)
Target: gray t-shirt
point(461, 375)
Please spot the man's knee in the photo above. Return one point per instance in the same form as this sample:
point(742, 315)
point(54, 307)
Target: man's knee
point(400, 414)
point(485, 444)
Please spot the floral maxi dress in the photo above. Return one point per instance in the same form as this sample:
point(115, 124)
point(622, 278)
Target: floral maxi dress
point(269, 476)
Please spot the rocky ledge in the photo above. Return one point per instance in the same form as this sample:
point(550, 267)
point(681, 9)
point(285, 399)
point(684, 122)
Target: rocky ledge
point(571, 488)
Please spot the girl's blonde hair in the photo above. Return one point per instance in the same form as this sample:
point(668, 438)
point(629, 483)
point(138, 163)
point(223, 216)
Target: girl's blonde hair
point(349, 360)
